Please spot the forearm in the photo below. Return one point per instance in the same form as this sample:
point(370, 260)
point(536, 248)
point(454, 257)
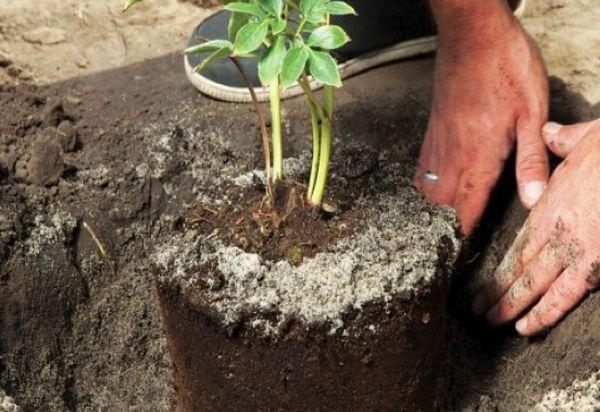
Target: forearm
point(471, 24)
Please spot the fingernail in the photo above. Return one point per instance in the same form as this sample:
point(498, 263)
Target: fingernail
point(478, 306)
point(532, 192)
point(551, 128)
point(521, 326)
point(492, 315)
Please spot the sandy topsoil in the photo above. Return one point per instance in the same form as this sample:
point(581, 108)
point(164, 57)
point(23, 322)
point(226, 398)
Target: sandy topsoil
point(100, 163)
point(56, 39)
point(568, 35)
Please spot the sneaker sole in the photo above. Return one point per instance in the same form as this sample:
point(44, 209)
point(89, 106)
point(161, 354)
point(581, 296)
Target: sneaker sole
point(404, 50)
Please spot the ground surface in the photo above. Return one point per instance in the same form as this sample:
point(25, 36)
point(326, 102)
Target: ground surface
point(55, 40)
point(94, 168)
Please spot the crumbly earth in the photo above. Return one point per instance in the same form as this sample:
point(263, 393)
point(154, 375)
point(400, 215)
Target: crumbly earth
point(402, 246)
point(101, 344)
point(581, 396)
point(7, 404)
point(79, 321)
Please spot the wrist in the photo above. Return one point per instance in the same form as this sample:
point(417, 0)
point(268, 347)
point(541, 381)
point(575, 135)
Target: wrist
point(472, 25)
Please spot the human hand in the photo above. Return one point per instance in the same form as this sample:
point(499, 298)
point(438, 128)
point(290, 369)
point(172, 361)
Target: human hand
point(490, 88)
point(555, 260)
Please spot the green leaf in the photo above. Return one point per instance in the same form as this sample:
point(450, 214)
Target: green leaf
point(246, 8)
point(298, 41)
point(218, 55)
point(209, 46)
point(310, 27)
point(316, 17)
point(293, 64)
point(328, 37)
point(324, 68)
point(273, 7)
point(338, 8)
point(236, 22)
point(129, 3)
point(250, 37)
point(278, 25)
point(271, 62)
point(308, 6)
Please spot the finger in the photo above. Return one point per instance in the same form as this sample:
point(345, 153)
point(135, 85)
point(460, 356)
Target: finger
point(528, 243)
point(440, 187)
point(563, 139)
point(534, 281)
point(474, 188)
point(423, 162)
point(441, 190)
point(532, 162)
point(564, 294)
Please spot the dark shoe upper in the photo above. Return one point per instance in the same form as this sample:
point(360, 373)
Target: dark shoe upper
point(383, 23)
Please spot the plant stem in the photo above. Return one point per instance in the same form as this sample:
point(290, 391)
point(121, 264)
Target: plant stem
point(316, 116)
point(275, 100)
point(316, 197)
point(292, 4)
point(328, 101)
point(305, 84)
point(314, 120)
point(261, 119)
point(300, 26)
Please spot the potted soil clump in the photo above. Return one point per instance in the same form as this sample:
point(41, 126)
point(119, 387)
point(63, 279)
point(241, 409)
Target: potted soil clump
point(275, 296)
point(345, 313)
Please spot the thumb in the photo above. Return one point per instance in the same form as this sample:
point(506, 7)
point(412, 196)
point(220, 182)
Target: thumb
point(532, 162)
point(563, 139)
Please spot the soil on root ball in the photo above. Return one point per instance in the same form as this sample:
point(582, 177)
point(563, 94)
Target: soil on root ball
point(276, 222)
point(270, 304)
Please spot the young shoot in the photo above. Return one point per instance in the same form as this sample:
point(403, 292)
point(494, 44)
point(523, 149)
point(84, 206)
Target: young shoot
point(293, 41)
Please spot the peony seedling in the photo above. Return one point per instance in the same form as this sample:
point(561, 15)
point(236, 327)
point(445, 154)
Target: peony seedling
point(293, 41)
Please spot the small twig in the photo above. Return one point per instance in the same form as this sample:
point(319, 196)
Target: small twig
point(214, 212)
point(99, 244)
point(100, 247)
point(213, 234)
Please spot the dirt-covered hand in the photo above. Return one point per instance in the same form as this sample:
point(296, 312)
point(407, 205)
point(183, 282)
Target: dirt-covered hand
point(490, 89)
point(555, 260)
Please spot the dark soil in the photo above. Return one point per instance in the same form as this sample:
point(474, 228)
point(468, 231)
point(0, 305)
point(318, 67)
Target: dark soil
point(393, 369)
point(283, 225)
point(79, 322)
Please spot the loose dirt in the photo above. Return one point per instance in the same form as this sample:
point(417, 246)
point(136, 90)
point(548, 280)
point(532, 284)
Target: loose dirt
point(80, 327)
point(582, 395)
